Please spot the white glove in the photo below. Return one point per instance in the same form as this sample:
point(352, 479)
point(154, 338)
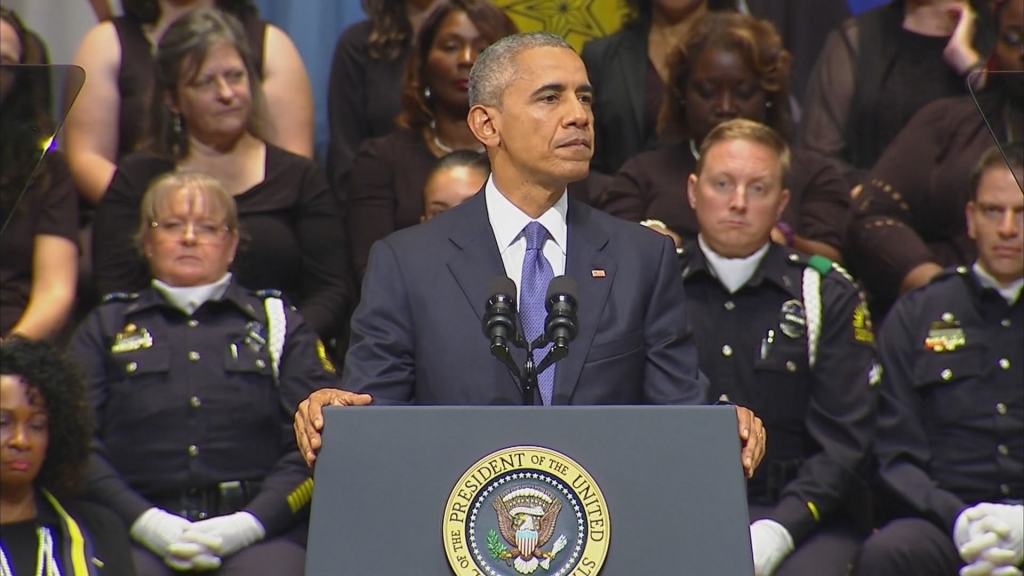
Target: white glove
point(225, 535)
point(195, 554)
point(156, 529)
point(986, 525)
point(771, 543)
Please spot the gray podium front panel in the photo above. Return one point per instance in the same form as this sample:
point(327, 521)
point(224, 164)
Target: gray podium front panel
point(671, 477)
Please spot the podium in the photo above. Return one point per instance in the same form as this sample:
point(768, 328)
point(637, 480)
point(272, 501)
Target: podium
point(546, 490)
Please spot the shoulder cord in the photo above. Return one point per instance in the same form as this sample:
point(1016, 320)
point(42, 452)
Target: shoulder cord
point(277, 326)
point(812, 305)
point(46, 563)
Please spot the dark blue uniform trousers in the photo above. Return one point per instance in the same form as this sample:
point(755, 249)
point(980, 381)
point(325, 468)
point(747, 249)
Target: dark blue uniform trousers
point(909, 546)
point(828, 552)
point(275, 557)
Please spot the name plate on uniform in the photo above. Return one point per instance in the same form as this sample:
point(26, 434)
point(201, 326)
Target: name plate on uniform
point(511, 491)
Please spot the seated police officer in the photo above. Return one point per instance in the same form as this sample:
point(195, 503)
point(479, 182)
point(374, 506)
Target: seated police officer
point(950, 441)
point(193, 382)
point(787, 335)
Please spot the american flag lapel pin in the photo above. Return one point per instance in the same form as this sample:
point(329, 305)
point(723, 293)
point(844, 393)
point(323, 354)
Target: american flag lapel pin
point(598, 273)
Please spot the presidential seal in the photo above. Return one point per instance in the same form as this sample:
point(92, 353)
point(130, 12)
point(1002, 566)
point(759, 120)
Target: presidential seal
point(526, 510)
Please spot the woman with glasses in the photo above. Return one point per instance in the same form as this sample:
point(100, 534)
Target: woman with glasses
point(193, 382)
point(208, 114)
point(105, 124)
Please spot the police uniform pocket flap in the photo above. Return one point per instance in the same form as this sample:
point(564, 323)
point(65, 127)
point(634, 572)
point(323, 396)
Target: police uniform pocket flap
point(789, 356)
point(940, 367)
point(139, 362)
point(243, 358)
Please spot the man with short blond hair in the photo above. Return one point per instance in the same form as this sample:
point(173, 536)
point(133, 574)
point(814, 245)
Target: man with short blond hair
point(788, 335)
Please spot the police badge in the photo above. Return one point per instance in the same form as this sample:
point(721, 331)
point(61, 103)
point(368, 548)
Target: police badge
point(524, 509)
point(792, 319)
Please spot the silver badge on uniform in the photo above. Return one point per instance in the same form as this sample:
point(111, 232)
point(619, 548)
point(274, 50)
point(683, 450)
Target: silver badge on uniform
point(255, 336)
point(792, 320)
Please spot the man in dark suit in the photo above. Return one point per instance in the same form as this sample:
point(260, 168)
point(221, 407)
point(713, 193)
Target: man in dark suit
point(416, 333)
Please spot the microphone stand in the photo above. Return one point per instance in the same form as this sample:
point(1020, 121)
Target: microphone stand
point(527, 376)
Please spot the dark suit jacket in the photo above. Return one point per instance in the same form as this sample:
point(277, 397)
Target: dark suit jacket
point(803, 25)
point(417, 337)
point(617, 68)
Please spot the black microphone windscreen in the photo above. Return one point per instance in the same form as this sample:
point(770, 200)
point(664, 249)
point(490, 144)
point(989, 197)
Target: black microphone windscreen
point(562, 285)
point(501, 285)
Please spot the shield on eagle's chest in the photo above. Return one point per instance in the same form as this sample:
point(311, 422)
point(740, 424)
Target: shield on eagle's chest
point(526, 541)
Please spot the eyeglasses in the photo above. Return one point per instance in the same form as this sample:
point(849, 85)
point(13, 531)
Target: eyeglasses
point(203, 231)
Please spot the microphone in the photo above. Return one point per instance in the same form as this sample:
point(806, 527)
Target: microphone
point(499, 321)
point(561, 326)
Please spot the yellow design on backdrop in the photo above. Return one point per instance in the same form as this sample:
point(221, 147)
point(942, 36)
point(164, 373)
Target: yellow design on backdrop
point(575, 20)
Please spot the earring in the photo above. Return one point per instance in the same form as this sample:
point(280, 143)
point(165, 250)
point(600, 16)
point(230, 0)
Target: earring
point(768, 104)
point(426, 93)
point(176, 124)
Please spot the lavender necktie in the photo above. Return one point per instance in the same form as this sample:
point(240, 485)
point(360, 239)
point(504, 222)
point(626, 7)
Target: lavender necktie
point(537, 274)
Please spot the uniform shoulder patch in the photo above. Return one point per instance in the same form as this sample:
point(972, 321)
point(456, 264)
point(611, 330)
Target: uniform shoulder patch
point(863, 331)
point(119, 297)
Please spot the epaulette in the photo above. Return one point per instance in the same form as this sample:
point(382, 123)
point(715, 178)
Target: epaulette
point(272, 293)
point(822, 265)
point(947, 273)
point(268, 293)
point(120, 297)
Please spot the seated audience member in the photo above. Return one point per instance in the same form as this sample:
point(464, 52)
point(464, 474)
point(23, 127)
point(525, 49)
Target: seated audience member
point(880, 67)
point(457, 177)
point(193, 383)
point(107, 119)
point(38, 200)
point(367, 71)
point(629, 69)
point(907, 223)
point(728, 66)
point(384, 190)
point(207, 115)
point(44, 440)
point(950, 442)
point(807, 370)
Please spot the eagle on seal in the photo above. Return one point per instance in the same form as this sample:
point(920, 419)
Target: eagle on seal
point(526, 520)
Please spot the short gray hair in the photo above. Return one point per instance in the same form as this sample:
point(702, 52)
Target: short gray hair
point(496, 66)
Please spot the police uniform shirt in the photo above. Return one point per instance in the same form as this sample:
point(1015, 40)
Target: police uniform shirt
point(951, 426)
point(190, 401)
point(754, 348)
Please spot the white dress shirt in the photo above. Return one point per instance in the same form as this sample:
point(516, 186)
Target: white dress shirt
point(1010, 292)
point(507, 223)
point(188, 299)
point(733, 273)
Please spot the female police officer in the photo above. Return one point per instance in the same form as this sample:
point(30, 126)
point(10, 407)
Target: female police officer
point(193, 381)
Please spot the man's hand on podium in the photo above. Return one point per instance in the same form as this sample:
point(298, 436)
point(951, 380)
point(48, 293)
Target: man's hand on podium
point(752, 436)
point(309, 418)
